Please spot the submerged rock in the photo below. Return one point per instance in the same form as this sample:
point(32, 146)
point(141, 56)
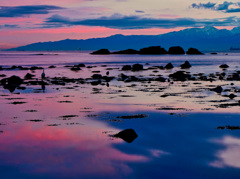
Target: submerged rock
point(52, 66)
point(193, 51)
point(101, 52)
point(218, 89)
point(28, 76)
point(177, 50)
point(75, 68)
point(35, 68)
point(128, 135)
point(185, 65)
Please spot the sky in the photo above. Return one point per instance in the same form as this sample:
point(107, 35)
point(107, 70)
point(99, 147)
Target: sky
point(28, 21)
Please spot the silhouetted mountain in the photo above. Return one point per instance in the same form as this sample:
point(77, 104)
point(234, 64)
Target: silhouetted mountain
point(204, 39)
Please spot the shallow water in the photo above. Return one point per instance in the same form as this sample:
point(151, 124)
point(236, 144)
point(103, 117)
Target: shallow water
point(64, 131)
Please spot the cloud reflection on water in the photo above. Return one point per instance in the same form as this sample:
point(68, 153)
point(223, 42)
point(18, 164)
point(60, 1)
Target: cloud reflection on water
point(64, 152)
point(229, 156)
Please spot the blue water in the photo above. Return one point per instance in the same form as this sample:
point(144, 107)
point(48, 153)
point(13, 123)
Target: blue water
point(36, 141)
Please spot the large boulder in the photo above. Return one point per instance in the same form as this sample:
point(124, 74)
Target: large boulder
point(180, 76)
point(177, 50)
point(137, 67)
point(11, 83)
point(128, 51)
point(128, 135)
point(154, 50)
point(126, 67)
point(101, 52)
point(193, 51)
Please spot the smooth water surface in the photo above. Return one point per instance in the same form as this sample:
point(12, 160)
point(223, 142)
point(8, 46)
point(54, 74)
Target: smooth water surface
point(65, 131)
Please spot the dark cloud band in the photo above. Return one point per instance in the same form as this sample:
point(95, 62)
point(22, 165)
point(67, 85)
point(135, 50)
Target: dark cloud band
point(135, 22)
point(20, 11)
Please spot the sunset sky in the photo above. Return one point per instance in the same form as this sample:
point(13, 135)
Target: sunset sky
point(28, 21)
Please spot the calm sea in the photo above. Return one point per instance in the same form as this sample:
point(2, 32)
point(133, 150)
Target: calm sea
point(64, 130)
point(66, 58)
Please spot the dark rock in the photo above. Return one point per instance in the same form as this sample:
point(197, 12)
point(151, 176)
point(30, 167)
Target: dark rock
point(28, 76)
point(177, 50)
point(81, 65)
point(223, 66)
point(11, 83)
point(75, 68)
point(137, 67)
point(169, 66)
point(56, 82)
point(153, 50)
point(101, 52)
point(35, 68)
point(161, 79)
point(231, 96)
point(213, 53)
point(52, 66)
point(185, 65)
point(128, 135)
point(108, 78)
point(123, 77)
point(97, 76)
point(218, 89)
point(128, 51)
point(126, 67)
point(95, 83)
point(1, 68)
point(13, 67)
point(193, 51)
point(180, 76)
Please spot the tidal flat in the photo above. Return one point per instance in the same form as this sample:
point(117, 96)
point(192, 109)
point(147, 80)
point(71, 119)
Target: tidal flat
point(89, 117)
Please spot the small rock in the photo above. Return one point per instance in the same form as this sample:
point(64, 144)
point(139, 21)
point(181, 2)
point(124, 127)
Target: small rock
point(128, 135)
point(218, 89)
point(223, 66)
point(169, 66)
point(185, 65)
point(231, 96)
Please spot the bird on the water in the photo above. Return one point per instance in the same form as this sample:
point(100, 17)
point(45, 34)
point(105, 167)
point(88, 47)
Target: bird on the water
point(43, 74)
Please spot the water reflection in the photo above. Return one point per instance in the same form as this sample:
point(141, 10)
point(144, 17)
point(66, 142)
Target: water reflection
point(64, 152)
point(229, 156)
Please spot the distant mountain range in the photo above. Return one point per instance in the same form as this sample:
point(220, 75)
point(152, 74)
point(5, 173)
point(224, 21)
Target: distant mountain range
point(205, 39)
